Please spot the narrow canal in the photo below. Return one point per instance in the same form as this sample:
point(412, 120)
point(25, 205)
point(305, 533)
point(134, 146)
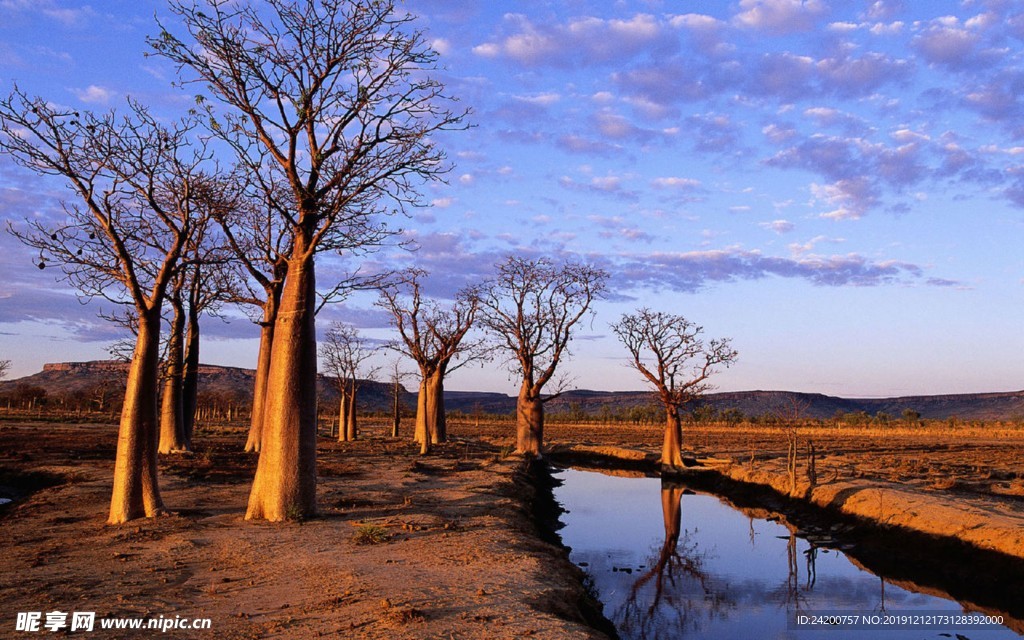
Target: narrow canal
point(667, 562)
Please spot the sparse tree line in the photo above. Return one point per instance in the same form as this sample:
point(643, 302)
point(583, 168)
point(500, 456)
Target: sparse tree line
point(313, 125)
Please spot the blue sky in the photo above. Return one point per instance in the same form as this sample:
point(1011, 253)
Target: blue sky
point(838, 187)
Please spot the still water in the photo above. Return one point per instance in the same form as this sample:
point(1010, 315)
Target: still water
point(669, 563)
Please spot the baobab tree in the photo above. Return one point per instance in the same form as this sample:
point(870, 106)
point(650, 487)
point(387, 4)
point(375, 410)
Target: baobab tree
point(532, 308)
point(433, 336)
point(203, 282)
point(344, 354)
point(261, 242)
point(395, 378)
point(210, 285)
point(137, 187)
point(172, 408)
point(335, 101)
point(670, 353)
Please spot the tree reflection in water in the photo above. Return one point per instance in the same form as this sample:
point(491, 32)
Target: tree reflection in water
point(676, 594)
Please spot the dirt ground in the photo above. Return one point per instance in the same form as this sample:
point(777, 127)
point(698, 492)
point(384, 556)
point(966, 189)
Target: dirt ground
point(404, 547)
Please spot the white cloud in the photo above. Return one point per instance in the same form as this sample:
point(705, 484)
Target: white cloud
point(674, 182)
point(487, 50)
point(441, 46)
point(780, 16)
point(778, 226)
point(94, 94)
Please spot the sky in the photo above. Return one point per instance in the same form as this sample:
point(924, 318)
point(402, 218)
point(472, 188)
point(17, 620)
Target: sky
point(838, 187)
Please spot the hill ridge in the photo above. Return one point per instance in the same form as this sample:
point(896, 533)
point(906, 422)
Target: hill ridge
point(59, 378)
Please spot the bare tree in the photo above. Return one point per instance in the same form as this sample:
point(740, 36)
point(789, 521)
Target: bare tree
point(201, 285)
point(172, 408)
point(211, 283)
point(135, 182)
point(344, 354)
point(5, 366)
point(261, 242)
point(532, 308)
point(670, 353)
point(433, 336)
point(333, 100)
point(260, 239)
point(396, 377)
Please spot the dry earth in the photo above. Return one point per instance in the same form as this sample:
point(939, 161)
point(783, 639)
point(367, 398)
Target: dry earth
point(458, 557)
point(461, 556)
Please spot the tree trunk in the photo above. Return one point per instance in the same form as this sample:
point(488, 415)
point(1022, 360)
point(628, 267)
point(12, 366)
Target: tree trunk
point(396, 418)
point(529, 422)
point(259, 394)
point(136, 492)
point(421, 433)
point(351, 426)
point(190, 377)
point(285, 482)
point(343, 414)
point(436, 424)
point(172, 425)
point(672, 446)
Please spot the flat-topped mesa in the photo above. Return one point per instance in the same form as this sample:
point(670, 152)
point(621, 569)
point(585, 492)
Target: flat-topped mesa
point(117, 365)
point(94, 365)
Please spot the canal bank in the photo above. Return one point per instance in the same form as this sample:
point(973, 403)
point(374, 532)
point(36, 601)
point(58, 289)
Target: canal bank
point(918, 548)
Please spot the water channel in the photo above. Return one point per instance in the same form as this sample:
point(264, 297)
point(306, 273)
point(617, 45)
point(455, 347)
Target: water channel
point(667, 562)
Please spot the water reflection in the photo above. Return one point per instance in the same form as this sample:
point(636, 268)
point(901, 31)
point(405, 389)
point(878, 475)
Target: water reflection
point(676, 593)
point(706, 570)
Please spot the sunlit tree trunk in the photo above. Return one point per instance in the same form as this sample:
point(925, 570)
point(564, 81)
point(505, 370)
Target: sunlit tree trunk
point(259, 395)
point(672, 445)
point(437, 426)
point(136, 493)
point(285, 482)
point(343, 415)
point(172, 426)
point(421, 432)
point(431, 427)
point(529, 422)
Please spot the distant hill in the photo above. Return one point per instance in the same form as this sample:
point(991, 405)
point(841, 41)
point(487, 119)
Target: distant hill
point(972, 406)
point(67, 378)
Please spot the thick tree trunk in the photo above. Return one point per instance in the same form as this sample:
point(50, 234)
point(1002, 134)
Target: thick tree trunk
point(672, 446)
point(529, 423)
point(172, 409)
point(351, 424)
point(190, 378)
point(136, 492)
point(421, 432)
point(285, 482)
point(437, 426)
point(259, 394)
point(430, 420)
